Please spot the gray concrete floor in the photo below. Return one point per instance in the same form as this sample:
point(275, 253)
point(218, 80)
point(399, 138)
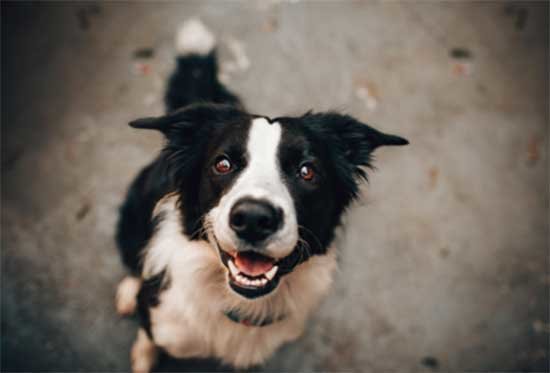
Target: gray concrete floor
point(444, 264)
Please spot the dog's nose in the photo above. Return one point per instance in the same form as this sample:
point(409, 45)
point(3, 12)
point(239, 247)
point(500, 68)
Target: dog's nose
point(255, 220)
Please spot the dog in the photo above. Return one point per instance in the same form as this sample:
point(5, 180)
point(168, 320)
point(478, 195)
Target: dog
point(228, 233)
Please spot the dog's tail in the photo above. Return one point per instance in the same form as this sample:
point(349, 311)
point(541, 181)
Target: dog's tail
point(195, 78)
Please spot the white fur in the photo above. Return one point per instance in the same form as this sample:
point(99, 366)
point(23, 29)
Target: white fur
point(190, 319)
point(194, 38)
point(126, 295)
point(170, 238)
point(261, 179)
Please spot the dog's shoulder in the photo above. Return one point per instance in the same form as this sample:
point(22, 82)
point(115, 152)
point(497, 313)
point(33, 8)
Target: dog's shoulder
point(136, 224)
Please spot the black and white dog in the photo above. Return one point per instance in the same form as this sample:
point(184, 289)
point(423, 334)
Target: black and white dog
point(228, 232)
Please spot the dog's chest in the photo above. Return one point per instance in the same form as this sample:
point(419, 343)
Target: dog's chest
point(191, 321)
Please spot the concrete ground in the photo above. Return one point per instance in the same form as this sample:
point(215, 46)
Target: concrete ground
point(444, 263)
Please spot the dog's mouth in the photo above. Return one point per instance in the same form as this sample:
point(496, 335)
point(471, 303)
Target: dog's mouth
point(251, 274)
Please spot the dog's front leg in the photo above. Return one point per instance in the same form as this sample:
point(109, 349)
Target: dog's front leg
point(126, 294)
point(144, 353)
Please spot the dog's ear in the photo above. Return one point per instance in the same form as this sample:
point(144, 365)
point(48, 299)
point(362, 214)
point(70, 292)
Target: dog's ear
point(350, 143)
point(176, 121)
point(359, 139)
point(188, 119)
point(354, 139)
point(152, 123)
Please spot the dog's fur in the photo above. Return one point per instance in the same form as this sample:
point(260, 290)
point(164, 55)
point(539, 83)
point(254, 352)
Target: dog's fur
point(175, 232)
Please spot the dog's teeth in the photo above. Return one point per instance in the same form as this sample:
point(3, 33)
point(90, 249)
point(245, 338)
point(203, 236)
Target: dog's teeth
point(240, 279)
point(243, 280)
point(232, 268)
point(271, 273)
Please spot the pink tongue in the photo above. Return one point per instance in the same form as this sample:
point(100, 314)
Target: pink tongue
point(253, 265)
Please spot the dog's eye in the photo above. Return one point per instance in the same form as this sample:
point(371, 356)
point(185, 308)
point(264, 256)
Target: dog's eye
point(306, 172)
point(222, 165)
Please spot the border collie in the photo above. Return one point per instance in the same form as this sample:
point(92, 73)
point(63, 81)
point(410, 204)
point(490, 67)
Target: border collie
point(228, 233)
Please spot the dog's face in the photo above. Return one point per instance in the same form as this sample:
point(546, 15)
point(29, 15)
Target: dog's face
point(267, 193)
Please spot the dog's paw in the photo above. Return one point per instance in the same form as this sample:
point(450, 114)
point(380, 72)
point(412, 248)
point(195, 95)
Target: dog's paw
point(126, 294)
point(144, 353)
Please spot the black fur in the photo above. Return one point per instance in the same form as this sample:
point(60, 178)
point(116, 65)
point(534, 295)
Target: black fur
point(148, 297)
point(205, 121)
point(135, 226)
point(195, 80)
point(195, 136)
point(338, 146)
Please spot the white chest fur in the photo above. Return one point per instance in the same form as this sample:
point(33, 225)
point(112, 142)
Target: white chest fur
point(190, 319)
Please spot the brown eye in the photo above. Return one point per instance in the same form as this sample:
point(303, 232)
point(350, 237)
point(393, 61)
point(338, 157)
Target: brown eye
point(223, 165)
point(307, 173)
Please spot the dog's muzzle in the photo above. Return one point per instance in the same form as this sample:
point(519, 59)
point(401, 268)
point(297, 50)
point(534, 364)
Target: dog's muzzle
point(253, 275)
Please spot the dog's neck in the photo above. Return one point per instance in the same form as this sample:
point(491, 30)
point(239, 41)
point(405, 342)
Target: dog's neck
point(237, 316)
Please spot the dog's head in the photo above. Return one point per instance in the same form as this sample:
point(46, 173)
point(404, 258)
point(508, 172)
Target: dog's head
point(267, 193)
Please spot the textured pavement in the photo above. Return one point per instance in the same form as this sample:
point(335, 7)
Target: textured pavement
point(444, 262)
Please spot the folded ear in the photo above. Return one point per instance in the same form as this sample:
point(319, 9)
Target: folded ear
point(152, 123)
point(171, 121)
point(356, 140)
point(188, 118)
point(361, 140)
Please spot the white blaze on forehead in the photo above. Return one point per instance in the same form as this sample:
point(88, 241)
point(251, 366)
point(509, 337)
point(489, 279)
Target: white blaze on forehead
point(262, 148)
point(262, 177)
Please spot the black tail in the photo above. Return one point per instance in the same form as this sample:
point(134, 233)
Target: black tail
point(196, 76)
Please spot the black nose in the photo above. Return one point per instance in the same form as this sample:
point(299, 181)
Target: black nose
point(255, 220)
